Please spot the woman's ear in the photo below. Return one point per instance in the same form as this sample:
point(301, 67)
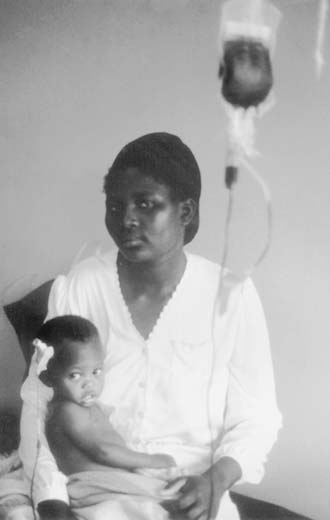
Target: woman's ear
point(188, 210)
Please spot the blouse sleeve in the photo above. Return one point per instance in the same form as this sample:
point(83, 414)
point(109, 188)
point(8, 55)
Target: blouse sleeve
point(252, 418)
point(40, 468)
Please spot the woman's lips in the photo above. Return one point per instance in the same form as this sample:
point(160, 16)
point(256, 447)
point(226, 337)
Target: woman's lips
point(131, 241)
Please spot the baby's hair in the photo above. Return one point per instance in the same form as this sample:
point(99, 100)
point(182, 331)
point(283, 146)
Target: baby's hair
point(59, 331)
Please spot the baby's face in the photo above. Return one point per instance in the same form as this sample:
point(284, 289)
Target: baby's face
point(82, 378)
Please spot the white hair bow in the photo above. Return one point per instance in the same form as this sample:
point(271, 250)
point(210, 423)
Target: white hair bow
point(44, 354)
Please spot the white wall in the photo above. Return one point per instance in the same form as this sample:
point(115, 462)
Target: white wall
point(82, 77)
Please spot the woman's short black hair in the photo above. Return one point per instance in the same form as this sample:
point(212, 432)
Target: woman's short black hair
point(167, 160)
point(60, 331)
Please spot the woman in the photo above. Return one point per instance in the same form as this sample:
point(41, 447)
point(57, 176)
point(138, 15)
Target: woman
point(182, 379)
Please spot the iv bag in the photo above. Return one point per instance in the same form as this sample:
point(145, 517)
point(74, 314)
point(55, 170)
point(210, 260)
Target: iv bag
point(247, 41)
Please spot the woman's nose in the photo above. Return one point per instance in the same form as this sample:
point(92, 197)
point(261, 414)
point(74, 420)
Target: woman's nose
point(130, 217)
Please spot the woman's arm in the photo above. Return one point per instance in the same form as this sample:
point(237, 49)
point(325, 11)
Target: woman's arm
point(251, 416)
point(100, 443)
point(252, 419)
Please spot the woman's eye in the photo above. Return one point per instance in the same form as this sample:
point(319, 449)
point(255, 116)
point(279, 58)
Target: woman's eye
point(97, 371)
point(114, 207)
point(74, 375)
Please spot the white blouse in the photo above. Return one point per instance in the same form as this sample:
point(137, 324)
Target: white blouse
point(199, 388)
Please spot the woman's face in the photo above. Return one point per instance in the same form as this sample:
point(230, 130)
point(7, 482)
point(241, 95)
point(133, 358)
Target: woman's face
point(143, 219)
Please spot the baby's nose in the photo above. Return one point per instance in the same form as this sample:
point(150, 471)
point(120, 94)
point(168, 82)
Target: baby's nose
point(88, 383)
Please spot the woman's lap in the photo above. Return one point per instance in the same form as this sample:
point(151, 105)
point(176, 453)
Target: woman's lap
point(128, 508)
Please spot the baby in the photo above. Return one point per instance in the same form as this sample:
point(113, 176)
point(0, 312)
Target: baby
point(78, 430)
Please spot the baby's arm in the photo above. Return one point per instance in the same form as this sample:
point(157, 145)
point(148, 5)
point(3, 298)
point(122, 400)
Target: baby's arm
point(98, 440)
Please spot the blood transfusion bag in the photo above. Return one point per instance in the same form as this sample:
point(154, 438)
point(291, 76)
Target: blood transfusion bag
point(247, 40)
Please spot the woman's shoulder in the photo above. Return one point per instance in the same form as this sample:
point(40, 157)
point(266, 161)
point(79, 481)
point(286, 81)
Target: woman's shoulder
point(207, 275)
point(93, 268)
point(203, 265)
point(96, 263)
point(84, 288)
point(211, 269)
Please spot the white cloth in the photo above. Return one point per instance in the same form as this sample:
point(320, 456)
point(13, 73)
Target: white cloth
point(120, 495)
point(194, 381)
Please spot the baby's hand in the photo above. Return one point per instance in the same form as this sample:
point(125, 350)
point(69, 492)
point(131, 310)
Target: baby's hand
point(159, 461)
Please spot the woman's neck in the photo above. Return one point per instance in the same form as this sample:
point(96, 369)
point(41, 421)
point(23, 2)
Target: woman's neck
point(151, 277)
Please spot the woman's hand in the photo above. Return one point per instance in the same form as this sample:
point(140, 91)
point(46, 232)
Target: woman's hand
point(200, 495)
point(54, 510)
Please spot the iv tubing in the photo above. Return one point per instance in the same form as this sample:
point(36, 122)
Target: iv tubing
point(267, 197)
point(213, 352)
point(268, 202)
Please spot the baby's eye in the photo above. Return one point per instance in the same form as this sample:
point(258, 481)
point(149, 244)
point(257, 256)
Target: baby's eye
point(74, 376)
point(97, 371)
point(146, 204)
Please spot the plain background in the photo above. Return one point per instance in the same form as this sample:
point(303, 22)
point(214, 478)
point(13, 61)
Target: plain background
point(79, 79)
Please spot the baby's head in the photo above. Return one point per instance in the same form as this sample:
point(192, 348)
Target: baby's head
point(71, 359)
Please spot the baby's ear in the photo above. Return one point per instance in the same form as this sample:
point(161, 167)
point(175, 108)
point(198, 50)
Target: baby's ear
point(46, 379)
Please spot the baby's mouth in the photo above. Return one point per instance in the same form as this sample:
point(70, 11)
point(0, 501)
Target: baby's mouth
point(88, 399)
